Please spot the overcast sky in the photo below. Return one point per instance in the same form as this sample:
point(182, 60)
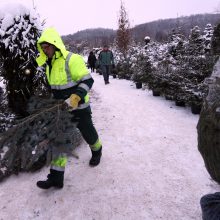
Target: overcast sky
point(69, 16)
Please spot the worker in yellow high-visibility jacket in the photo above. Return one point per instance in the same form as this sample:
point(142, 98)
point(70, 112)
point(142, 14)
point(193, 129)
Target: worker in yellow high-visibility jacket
point(70, 80)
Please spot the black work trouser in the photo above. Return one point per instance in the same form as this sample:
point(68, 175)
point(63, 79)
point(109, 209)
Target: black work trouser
point(83, 118)
point(85, 125)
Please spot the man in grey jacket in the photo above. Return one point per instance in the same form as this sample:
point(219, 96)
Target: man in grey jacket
point(106, 60)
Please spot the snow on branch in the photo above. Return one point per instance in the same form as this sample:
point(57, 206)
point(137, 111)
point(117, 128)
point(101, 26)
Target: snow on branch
point(19, 29)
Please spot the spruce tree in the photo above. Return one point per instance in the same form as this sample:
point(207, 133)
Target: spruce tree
point(215, 43)
point(18, 52)
point(123, 38)
point(207, 35)
point(123, 41)
point(31, 143)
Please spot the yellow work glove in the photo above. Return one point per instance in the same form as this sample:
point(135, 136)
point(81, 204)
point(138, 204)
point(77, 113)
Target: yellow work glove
point(74, 100)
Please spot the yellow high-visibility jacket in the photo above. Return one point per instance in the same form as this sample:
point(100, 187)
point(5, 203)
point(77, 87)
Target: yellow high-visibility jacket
point(66, 72)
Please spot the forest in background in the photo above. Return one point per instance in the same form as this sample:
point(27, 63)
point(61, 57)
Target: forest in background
point(158, 30)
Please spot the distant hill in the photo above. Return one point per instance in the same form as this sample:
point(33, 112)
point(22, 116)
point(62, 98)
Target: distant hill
point(95, 37)
point(158, 30)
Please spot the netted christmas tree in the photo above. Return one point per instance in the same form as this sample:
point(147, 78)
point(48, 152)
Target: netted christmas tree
point(30, 144)
point(208, 126)
point(215, 41)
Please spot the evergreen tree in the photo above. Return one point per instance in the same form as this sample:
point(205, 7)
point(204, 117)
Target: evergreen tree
point(26, 144)
point(122, 42)
point(171, 66)
point(30, 144)
point(123, 37)
point(176, 43)
point(196, 42)
point(18, 52)
point(207, 35)
point(215, 43)
point(141, 67)
point(208, 126)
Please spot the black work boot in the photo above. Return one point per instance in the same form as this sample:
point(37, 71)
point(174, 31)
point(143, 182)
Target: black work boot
point(96, 156)
point(55, 178)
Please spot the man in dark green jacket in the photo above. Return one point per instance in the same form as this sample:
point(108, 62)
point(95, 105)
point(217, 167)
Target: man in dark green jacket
point(69, 80)
point(106, 60)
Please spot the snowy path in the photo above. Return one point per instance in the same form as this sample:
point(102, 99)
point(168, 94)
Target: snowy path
point(150, 169)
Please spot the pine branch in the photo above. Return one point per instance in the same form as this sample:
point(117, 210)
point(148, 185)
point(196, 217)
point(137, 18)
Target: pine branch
point(33, 116)
point(30, 144)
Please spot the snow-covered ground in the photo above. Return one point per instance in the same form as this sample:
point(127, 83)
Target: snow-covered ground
point(150, 169)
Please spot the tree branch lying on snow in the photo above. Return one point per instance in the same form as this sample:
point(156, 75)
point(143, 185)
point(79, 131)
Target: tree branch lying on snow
point(29, 144)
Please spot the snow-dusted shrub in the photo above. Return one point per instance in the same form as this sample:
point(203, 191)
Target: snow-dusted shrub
point(140, 65)
point(123, 64)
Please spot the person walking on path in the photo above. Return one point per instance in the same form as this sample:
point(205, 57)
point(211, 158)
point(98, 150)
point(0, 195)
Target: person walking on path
point(106, 60)
point(70, 80)
point(92, 61)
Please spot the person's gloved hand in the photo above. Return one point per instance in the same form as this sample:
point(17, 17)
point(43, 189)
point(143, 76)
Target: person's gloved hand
point(73, 101)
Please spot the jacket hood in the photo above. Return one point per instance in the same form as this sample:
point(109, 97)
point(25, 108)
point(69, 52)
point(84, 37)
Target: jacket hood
point(50, 35)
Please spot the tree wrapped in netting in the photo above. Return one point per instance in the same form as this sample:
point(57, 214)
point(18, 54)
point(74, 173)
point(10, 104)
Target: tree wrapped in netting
point(19, 30)
point(208, 126)
point(29, 144)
